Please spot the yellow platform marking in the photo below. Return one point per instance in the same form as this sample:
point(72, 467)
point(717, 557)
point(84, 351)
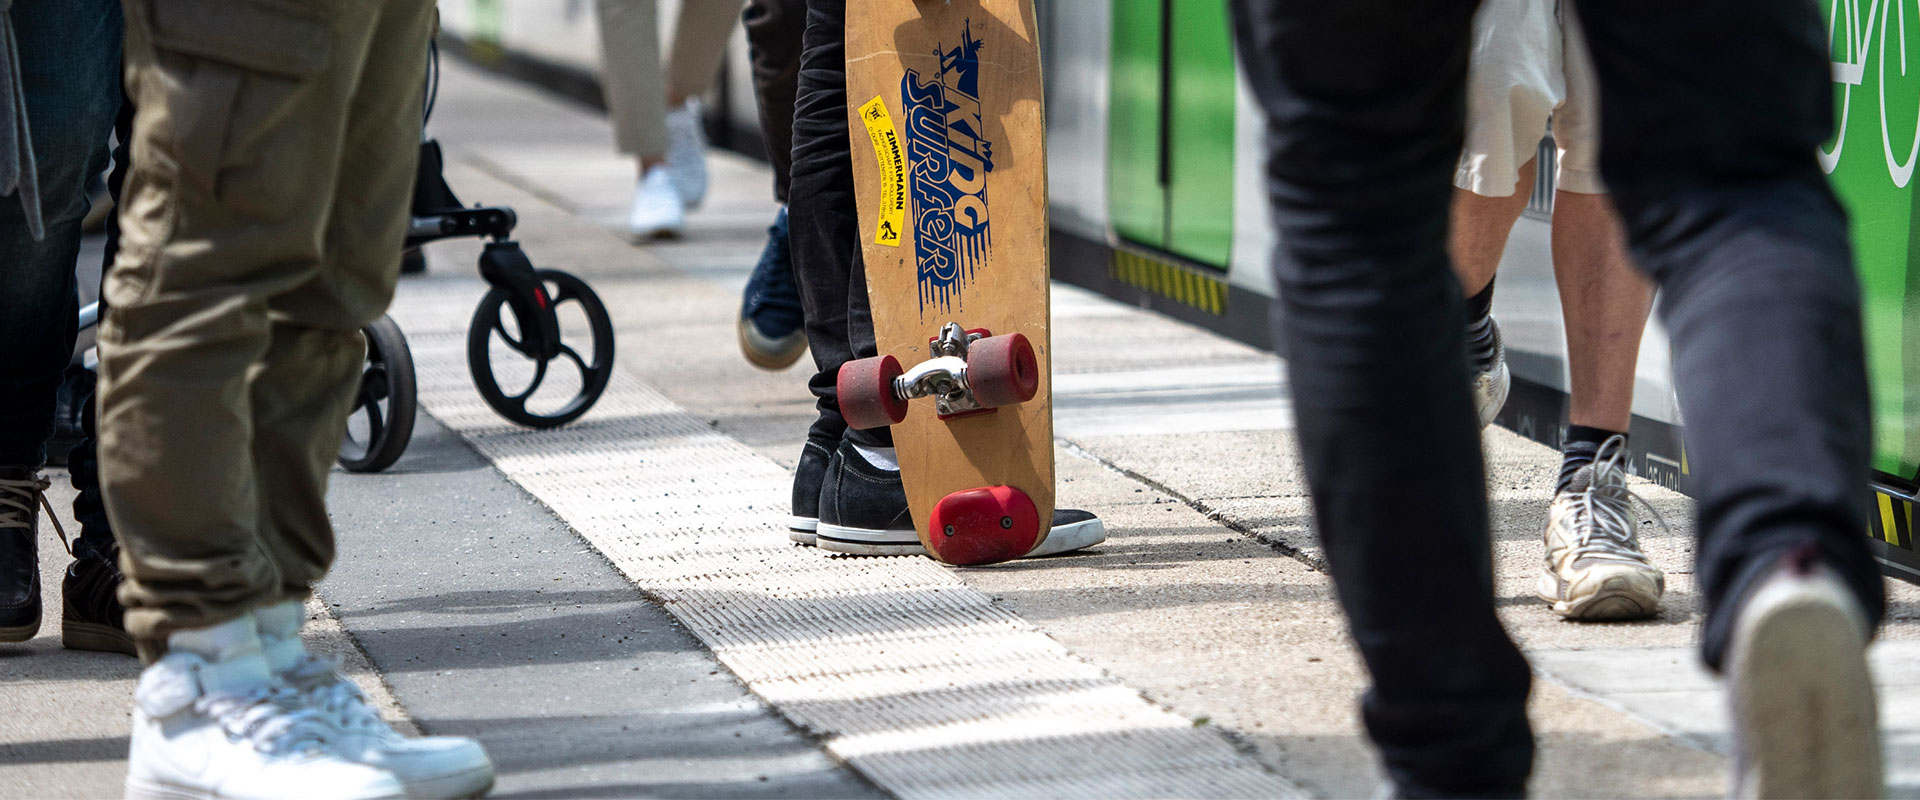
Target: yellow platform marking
point(1172, 281)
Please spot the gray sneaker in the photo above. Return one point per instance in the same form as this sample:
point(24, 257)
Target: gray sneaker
point(1492, 381)
point(1805, 721)
point(1595, 570)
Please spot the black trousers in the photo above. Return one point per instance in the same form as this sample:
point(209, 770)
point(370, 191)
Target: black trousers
point(1711, 112)
point(825, 223)
point(775, 31)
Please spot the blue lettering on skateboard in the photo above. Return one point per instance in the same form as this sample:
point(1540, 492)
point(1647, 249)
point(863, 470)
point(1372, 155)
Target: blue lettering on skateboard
point(950, 154)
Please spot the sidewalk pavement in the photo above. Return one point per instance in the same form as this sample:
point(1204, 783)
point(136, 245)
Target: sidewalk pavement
point(613, 609)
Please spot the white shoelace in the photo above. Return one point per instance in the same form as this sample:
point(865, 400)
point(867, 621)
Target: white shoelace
point(271, 718)
point(1603, 512)
point(338, 698)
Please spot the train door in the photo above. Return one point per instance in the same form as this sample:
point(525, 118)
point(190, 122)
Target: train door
point(1171, 132)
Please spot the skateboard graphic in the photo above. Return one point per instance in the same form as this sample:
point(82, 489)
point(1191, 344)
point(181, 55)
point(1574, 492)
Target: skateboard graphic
point(946, 94)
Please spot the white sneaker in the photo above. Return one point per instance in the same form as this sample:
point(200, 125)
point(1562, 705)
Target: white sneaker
point(1492, 384)
point(1595, 570)
point(429, 767)
point(658, 209)
point(1804, 714)
point(229, 730)
point(687, 153)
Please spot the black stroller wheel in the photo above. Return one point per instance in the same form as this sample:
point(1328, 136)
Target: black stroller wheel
point(381, 423)
point(541, 397)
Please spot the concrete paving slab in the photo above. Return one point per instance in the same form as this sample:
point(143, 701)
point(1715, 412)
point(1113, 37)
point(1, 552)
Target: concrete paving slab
point(494, 620)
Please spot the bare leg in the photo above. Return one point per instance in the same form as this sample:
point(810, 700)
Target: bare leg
point(1605, 301)
point(1478, 236)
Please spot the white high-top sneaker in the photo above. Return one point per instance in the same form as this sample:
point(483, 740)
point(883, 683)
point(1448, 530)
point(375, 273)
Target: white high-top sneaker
point(658, 210)
point(430, 767)
point(210, 720)
point(687, 153)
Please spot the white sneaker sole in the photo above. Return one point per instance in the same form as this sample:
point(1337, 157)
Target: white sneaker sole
point(803, 530)
point(1805, 720)
point(1624, 596)
point(144, 789)
point(1070, 537)
point(867, 542)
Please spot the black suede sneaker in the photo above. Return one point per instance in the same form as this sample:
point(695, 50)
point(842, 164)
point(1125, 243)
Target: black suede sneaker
point(863, 508)
point(21, 499)
point(807, 477)
point(91, 617)
point(863, 511)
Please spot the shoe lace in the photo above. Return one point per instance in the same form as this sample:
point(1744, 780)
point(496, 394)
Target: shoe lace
point(333, 695)
point(18, 496)
point(272, 718)
point(1603, 512)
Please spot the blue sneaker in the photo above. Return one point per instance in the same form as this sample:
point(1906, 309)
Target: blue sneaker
point(771, 333)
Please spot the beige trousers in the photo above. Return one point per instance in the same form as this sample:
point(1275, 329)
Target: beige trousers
point(635, 84)
point(273, 158)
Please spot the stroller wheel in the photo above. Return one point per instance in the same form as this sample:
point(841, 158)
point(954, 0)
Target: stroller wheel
point(381, 423)
point(535, 389)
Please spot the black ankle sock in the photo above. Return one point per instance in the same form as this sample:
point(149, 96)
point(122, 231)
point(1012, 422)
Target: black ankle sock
point(1578, 450)
point(1480, 304)
point(1480, 341)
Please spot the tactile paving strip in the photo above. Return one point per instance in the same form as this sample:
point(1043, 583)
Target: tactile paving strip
point(912, 677)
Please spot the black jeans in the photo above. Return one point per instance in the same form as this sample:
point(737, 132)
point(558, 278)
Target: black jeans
point(1711, 111)
point(69, 61)
point(825, 223)
point(775, 31)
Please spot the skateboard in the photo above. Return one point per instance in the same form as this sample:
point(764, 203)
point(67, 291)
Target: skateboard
point(945, 96)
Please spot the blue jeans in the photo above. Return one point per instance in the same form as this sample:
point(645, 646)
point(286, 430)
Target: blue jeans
point(70, 69)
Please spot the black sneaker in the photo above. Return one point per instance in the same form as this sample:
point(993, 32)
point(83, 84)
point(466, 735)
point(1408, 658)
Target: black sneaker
point(91, 617)
point(771, 319)
point(21, 498)
point(863, 511)
point(863, 508)
point(807, 477)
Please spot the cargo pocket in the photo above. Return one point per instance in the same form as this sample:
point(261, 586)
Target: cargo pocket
point(216, 50)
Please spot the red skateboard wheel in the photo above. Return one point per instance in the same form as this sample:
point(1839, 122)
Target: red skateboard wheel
point(865, 389)
point(983, 526)
point(1002, 370)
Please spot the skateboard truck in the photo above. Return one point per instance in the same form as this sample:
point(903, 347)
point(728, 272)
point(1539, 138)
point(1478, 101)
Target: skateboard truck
point(971, 372)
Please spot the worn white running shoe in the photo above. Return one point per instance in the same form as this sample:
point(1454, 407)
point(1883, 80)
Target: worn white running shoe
point(1595, 570)
point(429, 767)
point(1492, 384)
point(687, 153)
point(229, 730)
point(1804, 714)
point(658, 209)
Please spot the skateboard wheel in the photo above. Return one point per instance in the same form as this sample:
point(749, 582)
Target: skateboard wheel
point(983, 526)
point(1002, 370)
point(865, 389)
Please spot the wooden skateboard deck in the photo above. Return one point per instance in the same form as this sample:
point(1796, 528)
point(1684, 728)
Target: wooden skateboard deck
point(949, 142)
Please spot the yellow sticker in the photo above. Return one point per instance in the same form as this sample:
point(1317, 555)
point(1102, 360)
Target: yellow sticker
point(893, 172)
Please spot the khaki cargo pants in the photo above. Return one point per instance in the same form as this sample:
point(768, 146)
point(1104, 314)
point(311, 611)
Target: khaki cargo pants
point(272, 168)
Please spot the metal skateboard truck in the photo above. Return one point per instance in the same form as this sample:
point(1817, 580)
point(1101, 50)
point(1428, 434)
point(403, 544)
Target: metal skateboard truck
point(969, 372)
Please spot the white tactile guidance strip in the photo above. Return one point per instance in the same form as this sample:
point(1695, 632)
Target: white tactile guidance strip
point(909, 675)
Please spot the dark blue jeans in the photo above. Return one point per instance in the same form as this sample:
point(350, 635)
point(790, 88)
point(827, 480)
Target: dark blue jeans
point(70, 68)
point(1711, 112)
